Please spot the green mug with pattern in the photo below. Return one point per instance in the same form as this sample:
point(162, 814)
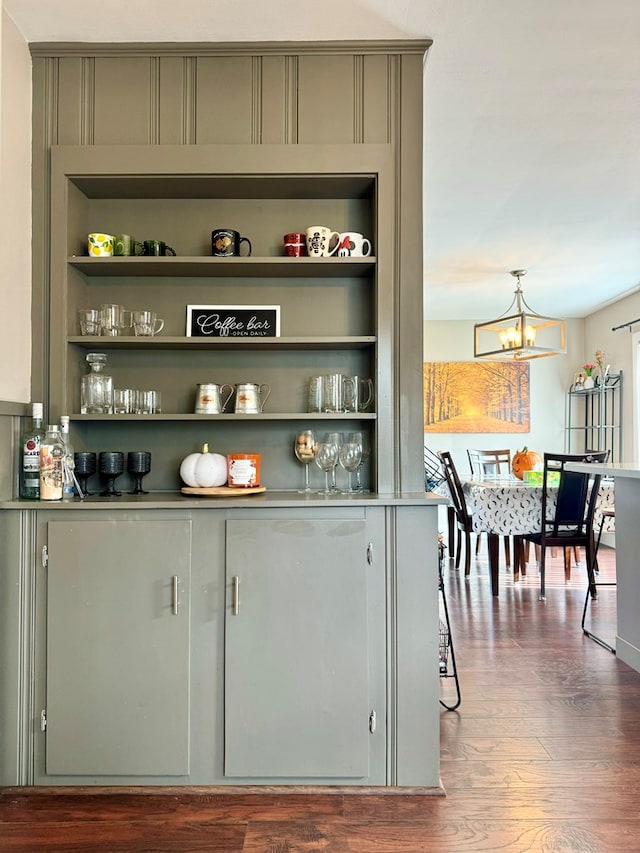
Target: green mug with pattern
point(125, 244)
point(100, 245)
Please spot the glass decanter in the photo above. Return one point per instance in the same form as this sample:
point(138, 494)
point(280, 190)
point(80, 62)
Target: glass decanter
point(96, 392)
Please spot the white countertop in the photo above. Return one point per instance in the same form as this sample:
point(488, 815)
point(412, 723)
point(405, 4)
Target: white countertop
point(608, 469)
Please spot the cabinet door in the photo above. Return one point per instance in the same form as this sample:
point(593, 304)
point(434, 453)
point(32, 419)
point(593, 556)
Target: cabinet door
point(118, 647)
point(296, 682)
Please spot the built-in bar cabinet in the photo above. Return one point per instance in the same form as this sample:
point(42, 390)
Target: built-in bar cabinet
point(280, 638)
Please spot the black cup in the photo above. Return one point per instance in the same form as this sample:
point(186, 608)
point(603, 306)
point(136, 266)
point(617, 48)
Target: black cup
point(110, 466)
point(84, 465)
point(225, 243)
point(156, 247)
point(138, 465)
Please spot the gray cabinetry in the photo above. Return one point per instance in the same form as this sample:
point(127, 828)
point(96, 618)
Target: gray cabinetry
point(297, 699)
point(326, 674)
point(117, 660)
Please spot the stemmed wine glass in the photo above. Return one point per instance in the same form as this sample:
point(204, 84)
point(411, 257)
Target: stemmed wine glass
point(305, 449)
point(350, 456)
point(335, 438)
point(138, 465)
point(362, 439)
point(326, 459)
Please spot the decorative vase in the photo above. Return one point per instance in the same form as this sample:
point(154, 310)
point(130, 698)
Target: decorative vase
point(588, 383)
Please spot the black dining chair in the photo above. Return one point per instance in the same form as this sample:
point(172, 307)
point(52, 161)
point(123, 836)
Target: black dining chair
point(608, 518)
point(464, 522)
point(491, 463)
point(568, 507)
point(576, 551)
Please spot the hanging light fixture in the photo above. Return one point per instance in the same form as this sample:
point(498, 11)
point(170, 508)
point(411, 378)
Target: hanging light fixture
point(519, 334)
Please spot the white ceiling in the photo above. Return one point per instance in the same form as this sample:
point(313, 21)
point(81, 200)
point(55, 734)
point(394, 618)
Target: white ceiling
point(532, 128)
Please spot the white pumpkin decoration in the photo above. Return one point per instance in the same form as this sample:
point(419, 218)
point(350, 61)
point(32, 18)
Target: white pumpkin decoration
point(204, 470)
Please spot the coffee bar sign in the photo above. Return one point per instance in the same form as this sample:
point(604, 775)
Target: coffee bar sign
point(233, 321)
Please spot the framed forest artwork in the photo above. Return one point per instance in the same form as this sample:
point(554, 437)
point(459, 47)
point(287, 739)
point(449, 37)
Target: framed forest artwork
point(476, 396)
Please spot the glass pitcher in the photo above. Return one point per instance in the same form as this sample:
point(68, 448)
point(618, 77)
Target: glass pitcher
point(96, 392)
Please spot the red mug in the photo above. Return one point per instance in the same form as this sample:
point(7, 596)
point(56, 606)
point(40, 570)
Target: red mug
point(295, 245)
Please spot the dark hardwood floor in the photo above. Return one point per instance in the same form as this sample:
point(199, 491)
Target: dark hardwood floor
point(543, 754)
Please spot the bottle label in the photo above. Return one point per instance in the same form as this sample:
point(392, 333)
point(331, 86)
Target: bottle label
point(50, 472)
point(31, 467)
point(31, 454)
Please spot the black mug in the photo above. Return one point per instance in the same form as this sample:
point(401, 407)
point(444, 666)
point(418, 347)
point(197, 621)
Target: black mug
point(157, 247)
point(225, 243)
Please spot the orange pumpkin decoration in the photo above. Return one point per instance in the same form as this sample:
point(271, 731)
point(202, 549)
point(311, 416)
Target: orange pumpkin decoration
point(525, 460)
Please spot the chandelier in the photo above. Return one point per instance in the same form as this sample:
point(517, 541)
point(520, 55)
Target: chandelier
point(520, 333)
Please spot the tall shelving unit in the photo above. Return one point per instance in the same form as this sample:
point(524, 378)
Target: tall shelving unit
point(330, 308)
point(594, 418)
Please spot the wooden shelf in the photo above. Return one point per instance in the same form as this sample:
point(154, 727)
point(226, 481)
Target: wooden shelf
point(232, 416)
point(209, 267)
point(160, 342)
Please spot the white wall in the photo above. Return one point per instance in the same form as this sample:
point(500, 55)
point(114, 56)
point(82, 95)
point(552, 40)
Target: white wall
point(619, 351)
point(15, 214)
point(549, 380)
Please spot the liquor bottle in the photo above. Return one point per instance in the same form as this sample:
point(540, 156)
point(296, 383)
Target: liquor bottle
point(68, 483)
point(51, 459)
point(30, 461)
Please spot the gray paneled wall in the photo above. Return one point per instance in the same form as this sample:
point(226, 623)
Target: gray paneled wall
point(10, 428)
point(170, 100)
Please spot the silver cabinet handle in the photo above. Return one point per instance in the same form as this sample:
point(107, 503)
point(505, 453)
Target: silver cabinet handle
point(235, 604)
point(175, 605)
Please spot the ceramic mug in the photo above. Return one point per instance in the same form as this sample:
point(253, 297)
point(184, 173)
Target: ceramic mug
point(225, 243)
point(125, 244)
point(295, 244)
point(352, 244)
point(100, 245)
point(157, 248)
point(319, 239)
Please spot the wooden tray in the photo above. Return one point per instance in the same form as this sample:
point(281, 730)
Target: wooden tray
point(223, 491)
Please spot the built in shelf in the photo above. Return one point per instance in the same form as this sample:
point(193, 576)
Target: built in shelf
point(160, 342)
point(237, 267)
point(207, 186)
point(232, 416)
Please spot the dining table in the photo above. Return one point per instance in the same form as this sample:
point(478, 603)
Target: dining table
point(506, 506)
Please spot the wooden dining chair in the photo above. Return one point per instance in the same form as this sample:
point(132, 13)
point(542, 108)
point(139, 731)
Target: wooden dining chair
point(566, 518)
point(490, 463)
point(463, 519)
